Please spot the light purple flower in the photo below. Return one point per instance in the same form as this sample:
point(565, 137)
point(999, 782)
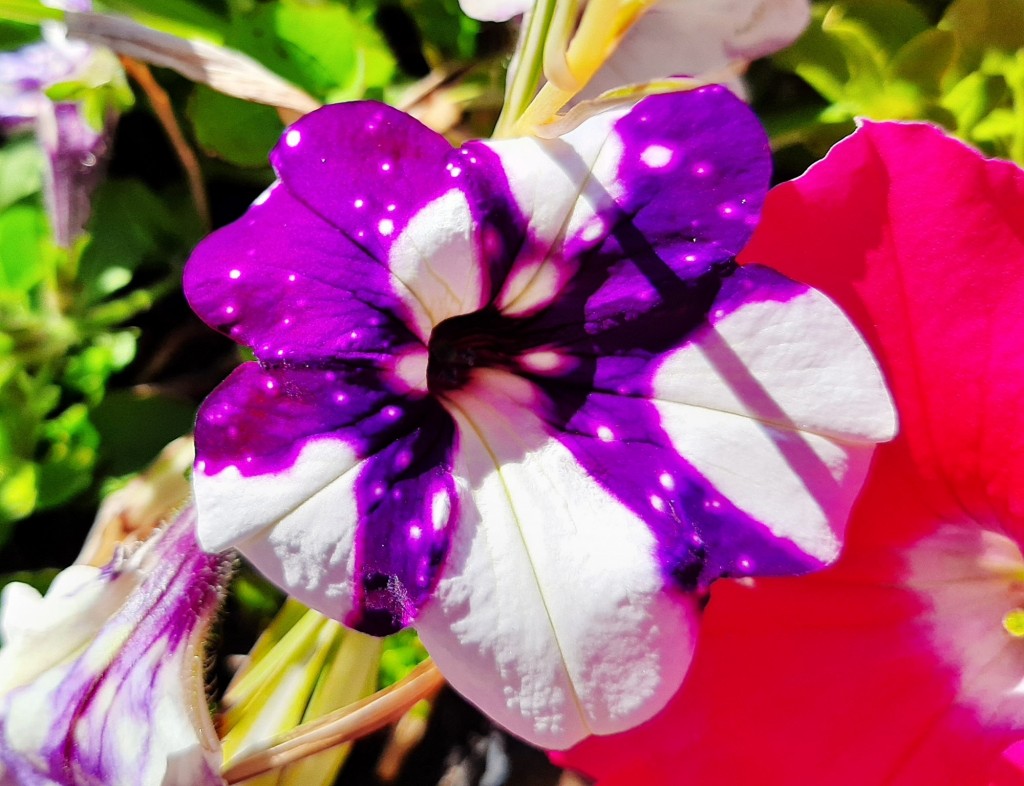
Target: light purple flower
point(520, 395)
point(27, 72)
point(101, 680)
point(76, 145)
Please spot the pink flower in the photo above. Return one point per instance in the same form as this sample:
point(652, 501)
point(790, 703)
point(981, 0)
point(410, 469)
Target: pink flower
point(904, 664)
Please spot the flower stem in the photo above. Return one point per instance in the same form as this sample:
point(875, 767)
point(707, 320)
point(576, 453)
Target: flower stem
point(601, 28)
point(528, 70)
point(349, 723)
point(164, 112)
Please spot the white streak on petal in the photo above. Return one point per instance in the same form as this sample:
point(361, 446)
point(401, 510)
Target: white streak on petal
point(532, 285)
point(564, 186)
point(297, 527)
point(797, 364)
point(778, 405)
point(552, 615)
point(436, 257)
point(233, 507)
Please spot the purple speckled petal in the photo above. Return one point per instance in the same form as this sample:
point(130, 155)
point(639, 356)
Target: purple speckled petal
point(693, 174)
point(259, 419)
point(631, 202)
point(407, 502)
point(333, 483)
point(261, 280)
point(129, 706)
point(365, 168)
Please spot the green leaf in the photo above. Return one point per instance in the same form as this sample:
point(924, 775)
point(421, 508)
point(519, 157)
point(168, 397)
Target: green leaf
point(14, 35)
point(236, 131)
point(997, 126)
point(130, 225)
point(87, 372)
point(18, 491)
point(891, 22)
point(22, 163)
point(973, 97)
point(66, 468)
point(447, 32)
point(26, 256)
point(324, 48)
point(985, 25)
point(402, 653)
point(840, 57)
point(926, 60)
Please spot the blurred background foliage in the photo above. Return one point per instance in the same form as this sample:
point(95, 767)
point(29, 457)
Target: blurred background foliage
point(102, 363)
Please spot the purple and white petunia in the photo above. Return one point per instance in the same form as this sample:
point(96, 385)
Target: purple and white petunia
point(519, 395)
point(101, 679)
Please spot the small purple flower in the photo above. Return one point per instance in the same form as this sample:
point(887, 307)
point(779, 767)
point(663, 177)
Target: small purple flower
point(75, 144)
point(520, 395)
point(101, 680)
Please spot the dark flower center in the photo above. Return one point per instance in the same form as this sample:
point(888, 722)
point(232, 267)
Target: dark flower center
point(483, 339)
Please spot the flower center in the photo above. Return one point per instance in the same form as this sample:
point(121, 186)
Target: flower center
point(459, 344)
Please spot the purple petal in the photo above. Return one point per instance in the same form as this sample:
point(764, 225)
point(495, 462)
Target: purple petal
point(262, 278)
point(632, 419)
point(365, 168)
point(407, 504)
point(24, 74)
point(282, 451)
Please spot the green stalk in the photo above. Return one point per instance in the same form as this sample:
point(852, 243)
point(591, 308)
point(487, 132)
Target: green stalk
point(529, 69)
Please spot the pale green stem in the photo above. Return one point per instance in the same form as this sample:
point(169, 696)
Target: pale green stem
point(529, 67)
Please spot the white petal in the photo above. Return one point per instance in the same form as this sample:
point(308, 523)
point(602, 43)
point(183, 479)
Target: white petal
point(40, 632)
point(778, 405)
point(436, 258)
point(552, 616)
point(495, 10)
point(298, 527)
point(563, 186)
point(234, 507)
point(696, 37)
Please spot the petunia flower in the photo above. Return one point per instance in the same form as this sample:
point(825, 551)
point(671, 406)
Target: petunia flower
point(101, 680)
point(902, 665)
point(682, 36)
point(74, 131)
point(519, 395)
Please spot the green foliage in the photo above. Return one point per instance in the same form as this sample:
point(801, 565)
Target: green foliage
point(61, 334)
point(239, 132)
point(447, 32)
point(402, 653)
point(883, 59)
point(325, 48)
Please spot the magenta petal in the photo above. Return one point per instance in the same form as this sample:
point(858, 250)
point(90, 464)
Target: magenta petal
point(358, 164)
